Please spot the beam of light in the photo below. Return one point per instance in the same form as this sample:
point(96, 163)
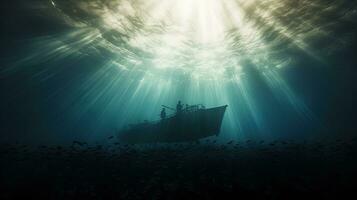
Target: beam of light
point(159, 51)
point(198, 38)
point(285, 94)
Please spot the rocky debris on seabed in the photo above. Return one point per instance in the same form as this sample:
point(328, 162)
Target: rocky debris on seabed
point(205, 170)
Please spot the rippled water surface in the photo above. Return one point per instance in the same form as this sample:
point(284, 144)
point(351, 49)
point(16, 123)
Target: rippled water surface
point(118, 61)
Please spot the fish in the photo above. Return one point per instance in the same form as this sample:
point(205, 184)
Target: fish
point(78, 142)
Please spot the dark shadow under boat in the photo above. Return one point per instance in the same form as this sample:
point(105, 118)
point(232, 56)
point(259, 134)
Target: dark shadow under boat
point(189, 125)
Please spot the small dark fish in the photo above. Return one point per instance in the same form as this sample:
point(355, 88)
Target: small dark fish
point(110, 137)
point(78, 142)
point(230, 142)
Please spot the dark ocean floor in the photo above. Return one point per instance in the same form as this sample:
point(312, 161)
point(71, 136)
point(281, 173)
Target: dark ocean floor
point(250, 169)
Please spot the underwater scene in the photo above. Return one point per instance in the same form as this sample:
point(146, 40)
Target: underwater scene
point(178, 99)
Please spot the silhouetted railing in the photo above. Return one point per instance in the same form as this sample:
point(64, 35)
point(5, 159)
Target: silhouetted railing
point(187, 109)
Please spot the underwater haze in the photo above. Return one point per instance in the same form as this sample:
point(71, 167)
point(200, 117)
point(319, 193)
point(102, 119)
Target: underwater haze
point(84, 69)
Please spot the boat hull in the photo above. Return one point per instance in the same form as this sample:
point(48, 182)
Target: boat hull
point(182, 127)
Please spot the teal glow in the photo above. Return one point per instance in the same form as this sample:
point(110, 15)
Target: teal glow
point(198, 51)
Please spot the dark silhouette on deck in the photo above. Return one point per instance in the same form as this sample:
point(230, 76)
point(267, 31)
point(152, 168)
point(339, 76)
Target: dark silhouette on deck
point(189, 124)
point(179, 107)
point(163, 113)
